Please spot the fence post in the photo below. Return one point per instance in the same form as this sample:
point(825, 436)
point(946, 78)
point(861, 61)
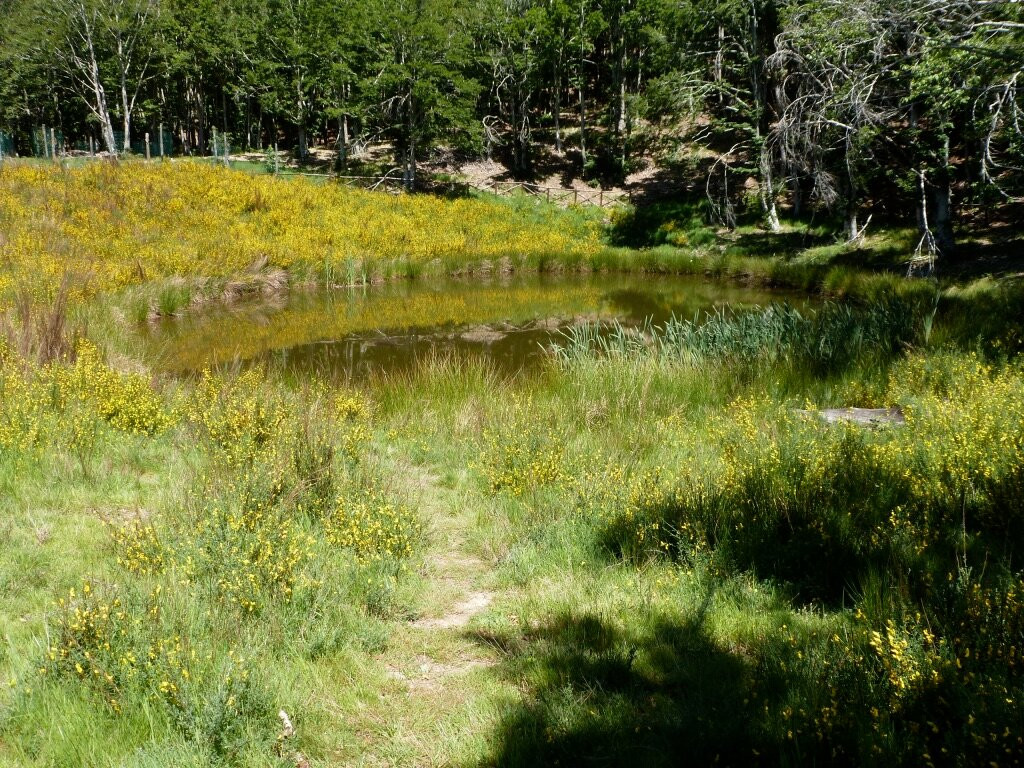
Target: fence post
point(575, 196)
point(161, 141)
point(600, 198)
point(53, 143)
point(275, 158)
point(46, 147)
point(147, 146)
point(214, 142)
point(92, 147)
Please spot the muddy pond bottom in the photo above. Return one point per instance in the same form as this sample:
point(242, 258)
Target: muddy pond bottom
point(355, 333)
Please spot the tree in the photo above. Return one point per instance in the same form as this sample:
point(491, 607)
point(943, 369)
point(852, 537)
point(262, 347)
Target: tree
point(107, 44)
point(837, 75)
point(514, 30)
point(903, 85)
point(420, 53)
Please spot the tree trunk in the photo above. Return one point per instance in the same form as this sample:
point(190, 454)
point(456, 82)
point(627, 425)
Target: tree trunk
point(342, 142)
point(798, 197)
point(126, 105)
point(582, 82)
point(766, 192)
point(619, 87)
point(719, 66)
point(198, 110)
point(557, 107)
point(106, 126)
point(768, 206)
point(940, 196)
point(102, 111)
point(410, 167)
point(583, 128)
point(851, 228)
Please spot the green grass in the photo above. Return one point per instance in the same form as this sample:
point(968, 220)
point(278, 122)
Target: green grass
point(664, 556)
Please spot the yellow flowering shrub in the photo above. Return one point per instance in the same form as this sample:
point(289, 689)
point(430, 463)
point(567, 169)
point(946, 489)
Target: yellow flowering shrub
point(133, 223)
point(71, 404)
point(521, 454)
point(139, 548)
point(27, 414)
point(113, 647)
point(239, 417)
point(630, 507)
point(352, 405)
point(125, 400)
point(909, 654)
point(256, 557)
point(373, 526)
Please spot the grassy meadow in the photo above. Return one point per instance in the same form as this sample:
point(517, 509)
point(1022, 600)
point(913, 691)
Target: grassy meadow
point(650, 549)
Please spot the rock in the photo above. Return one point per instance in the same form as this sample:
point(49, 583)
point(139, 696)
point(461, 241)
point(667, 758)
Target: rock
point(869, 417)
point(482, 335)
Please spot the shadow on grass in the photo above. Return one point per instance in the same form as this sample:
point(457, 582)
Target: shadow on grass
point(660, 692)
point(763, 244)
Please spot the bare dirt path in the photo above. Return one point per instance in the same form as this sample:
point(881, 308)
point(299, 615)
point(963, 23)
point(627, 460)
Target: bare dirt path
point(440, 687)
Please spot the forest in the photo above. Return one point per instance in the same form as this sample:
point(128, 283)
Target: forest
point(716, 459)
point(898, 109)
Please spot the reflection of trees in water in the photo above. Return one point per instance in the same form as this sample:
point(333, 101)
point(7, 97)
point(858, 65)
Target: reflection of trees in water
point(639, 305)
point(257, 330)
point(509, 351)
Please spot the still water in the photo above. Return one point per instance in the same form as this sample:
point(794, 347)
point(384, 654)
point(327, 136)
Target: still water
point(357, 332)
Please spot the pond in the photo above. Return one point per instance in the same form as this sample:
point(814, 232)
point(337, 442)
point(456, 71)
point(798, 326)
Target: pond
point(351, 333)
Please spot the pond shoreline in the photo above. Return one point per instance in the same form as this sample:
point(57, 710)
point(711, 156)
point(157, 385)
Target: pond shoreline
point(505, 318)
point(198, 294)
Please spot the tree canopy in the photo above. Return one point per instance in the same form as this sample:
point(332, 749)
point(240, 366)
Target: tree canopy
point(819, 104)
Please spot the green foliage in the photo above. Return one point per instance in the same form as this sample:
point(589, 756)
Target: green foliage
point(679, 224)
point(825, 341)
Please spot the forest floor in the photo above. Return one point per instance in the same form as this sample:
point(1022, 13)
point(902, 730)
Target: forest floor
point(551, 169)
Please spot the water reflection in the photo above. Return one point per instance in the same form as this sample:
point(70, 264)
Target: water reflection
point(351, 333)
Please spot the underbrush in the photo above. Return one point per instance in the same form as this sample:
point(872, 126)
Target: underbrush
point(685, 555)
point(893, 547)
point(286, 540)
point(132, 224)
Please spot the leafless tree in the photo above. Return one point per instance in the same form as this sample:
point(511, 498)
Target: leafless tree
point(107, 44)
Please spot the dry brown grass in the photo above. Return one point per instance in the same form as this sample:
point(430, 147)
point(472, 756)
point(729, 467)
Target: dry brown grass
point(40, 332)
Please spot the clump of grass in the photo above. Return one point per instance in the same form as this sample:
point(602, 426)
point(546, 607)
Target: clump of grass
point(826, 340)
point(522, 455)
point(275, 521)
point(40, 333)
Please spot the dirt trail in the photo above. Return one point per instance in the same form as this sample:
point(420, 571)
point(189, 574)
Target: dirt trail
point(460, 614)
point(432, 665)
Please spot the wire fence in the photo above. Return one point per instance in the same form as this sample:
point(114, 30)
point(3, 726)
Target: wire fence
point(49, 142)
point(46, 142)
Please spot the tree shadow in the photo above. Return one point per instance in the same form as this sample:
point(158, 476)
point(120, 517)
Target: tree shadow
point(764, 244)
point(661, 692)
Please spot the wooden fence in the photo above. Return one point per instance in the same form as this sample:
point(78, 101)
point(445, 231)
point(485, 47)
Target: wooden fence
point(557, 195)
point(394, 184)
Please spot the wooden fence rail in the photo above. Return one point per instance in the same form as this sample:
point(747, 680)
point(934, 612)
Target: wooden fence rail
point(557, 195)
